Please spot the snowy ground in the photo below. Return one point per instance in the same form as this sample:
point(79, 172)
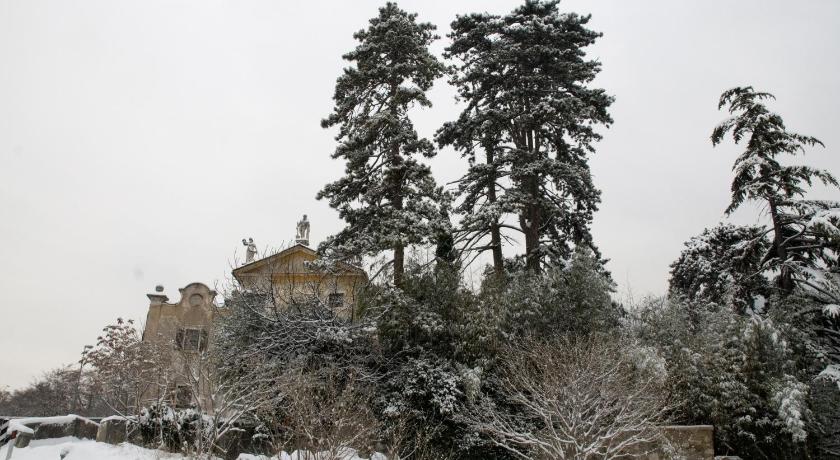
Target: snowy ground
point(85, 449)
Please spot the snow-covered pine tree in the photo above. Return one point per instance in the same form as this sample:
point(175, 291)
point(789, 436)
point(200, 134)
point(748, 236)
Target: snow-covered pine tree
point(804, 232)
point(483, 205)
point(388, 198)
point(531, 112)
point(722, 266)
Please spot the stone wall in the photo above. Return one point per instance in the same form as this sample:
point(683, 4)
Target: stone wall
point(686, 443)
point(55, 427)
point(115, 430)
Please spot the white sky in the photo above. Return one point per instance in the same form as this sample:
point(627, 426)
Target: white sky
point(140, 141)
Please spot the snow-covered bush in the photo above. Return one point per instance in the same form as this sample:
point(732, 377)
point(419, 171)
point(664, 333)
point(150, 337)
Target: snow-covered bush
point(789, 400)
point(311, 368)
point(260, 333)
point(734, 372)
point(324, 410)
point(162, 426)
point(191, 432)
point(575, 298)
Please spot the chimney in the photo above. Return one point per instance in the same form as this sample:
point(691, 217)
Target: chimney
point(158, 297)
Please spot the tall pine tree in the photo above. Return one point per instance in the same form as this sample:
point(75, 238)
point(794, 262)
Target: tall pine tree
point(804, 232)
point(387, 197)
point(530, 116)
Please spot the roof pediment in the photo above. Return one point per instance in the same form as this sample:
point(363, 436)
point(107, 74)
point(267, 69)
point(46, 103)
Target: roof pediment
point(292, 260)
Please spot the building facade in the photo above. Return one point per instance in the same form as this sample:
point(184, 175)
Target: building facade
point(295, 275)
point(180, 333)
point(184, 329)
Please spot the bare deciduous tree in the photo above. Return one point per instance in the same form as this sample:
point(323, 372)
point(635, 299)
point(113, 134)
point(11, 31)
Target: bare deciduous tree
point(573, 398)
point(327, 412)
point(220, 403)
point(127, 369)
point(60, 391)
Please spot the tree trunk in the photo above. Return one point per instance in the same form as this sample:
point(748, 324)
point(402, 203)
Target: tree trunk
point(496, 243)
point(785, 276)
point(531, 221)
point(396, 186)
point(530, 227)
point(397, 203)
point(399, 249)
point(495, 230)
point(399, 265)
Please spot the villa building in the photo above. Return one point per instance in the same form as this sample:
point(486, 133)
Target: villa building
point(293, 274)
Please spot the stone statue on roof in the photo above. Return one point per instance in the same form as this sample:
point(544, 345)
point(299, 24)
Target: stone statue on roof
point(302, 236)
point(250, 251)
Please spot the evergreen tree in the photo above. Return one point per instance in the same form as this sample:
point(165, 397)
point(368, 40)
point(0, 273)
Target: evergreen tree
point(445, 253)
point(803, 232)
point(436, 339)
point(387, 197)
point(722, 266)
point(732, 371)
point(531, 114)
point(575, 300)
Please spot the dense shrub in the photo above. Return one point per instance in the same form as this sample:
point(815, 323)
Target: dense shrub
point(165, 427)
point(575, 298)
point(734, 372)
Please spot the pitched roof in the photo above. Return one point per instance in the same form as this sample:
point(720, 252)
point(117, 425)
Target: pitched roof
point(308, 253)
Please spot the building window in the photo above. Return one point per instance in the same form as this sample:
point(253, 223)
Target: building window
point(191, 339)
point(335, 300)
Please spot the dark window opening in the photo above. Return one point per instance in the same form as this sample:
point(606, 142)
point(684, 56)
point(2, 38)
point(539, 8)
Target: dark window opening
point(335, 300)
point(191, 339)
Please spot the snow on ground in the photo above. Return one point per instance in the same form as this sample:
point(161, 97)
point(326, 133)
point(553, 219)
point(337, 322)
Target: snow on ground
point(86, 449)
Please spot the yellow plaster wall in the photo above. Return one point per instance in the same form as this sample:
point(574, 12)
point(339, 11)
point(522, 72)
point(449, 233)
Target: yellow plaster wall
point(291, 277)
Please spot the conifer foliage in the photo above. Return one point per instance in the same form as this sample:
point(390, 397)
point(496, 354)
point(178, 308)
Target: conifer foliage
point(388, 198)
point(722, 266)
point(756, 307)
point(801, 230)
point(527, 128)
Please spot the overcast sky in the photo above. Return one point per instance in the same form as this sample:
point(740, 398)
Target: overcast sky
point(141, 141)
